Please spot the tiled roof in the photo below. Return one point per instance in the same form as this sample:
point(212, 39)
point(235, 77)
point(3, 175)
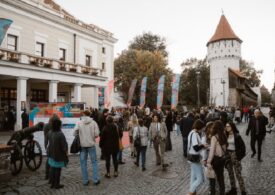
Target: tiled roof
point(237, 73)
point(223, 32)
point(56, 7)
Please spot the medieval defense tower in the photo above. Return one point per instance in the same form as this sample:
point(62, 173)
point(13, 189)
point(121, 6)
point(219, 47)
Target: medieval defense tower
point(223, 53)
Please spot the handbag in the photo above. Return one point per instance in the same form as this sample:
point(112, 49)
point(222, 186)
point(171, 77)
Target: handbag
point(195, 158)
point(221, 160)
point(121, 147)
point(137, 142)
point(75, 147)
point(209, 172)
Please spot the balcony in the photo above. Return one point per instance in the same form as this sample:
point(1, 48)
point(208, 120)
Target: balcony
point(24, 58)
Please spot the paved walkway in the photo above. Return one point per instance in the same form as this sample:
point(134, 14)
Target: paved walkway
point(259, 177)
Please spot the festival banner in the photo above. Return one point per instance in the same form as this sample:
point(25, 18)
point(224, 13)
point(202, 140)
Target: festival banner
point(107, 94)
point(101, 97)
point(4, 25)
point(143, 92)
point(160, 91)
point(175, 91)
point(131, 92)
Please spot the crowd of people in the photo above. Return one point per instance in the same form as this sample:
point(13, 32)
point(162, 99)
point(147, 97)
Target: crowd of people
point(210, 138)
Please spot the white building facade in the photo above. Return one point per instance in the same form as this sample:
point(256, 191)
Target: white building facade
point(48, 55)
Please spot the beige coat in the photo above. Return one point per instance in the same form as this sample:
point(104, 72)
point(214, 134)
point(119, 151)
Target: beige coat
point(153, 130)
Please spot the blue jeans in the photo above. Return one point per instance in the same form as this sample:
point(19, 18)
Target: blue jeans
point(141, 151)
point(119, 156)
point(83, 163)
point(196, 176)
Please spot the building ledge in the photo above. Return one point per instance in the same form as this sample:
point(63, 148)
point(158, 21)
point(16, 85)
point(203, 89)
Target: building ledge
point(30, 61)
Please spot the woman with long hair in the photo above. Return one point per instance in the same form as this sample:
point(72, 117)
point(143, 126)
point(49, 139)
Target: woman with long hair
point(194, 157)
point(130, 127)
point(141, 132)
point(217, 150)
point(206, 139)
point(109, 143)
point(236, 150)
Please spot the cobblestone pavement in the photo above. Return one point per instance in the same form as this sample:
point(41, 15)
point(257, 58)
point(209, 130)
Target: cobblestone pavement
point(259, 177)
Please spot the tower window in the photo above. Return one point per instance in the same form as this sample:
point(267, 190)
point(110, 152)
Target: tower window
point(232, 43)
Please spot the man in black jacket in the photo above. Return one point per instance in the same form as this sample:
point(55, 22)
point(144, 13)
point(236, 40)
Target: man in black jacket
point(186, 125)
point(257, 126)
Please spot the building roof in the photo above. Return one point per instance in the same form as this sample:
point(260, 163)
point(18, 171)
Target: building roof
point(56, 8)
point(237, 73)
point(223, 32)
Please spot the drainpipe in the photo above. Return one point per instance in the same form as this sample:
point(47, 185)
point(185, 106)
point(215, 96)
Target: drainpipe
point(74, 48)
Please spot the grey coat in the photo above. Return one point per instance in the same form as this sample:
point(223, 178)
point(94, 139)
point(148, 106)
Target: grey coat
point(153, 131)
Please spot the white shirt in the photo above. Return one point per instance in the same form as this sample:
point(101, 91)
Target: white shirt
point(196, 140)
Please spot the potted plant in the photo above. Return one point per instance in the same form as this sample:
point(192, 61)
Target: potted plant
point(62, 66)
point(14, 57)
point(85, 70)
point(1, 55)
point(73, 69)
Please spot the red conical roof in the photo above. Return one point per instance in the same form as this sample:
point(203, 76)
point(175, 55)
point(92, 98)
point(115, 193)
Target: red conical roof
point(223, 32)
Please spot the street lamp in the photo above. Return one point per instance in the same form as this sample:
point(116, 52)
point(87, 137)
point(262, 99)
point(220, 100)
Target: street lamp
point(198, 73)
point(223, 93)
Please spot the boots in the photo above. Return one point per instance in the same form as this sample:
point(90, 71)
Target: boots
point(233, 191)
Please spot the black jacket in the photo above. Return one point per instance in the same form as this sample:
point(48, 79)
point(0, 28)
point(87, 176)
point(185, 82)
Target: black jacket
point(58, 146)
point(186, 125)
point(169, 121)
point(109, 140)
point(239, 146)
point(263, 121)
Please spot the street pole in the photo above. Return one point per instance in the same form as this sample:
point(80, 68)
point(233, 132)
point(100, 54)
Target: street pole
point(223, 93)
point(198, 86)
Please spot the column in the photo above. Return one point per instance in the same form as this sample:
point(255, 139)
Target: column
point(21, 99)
point(53, 91)
point(77, 92)
point(95, 97)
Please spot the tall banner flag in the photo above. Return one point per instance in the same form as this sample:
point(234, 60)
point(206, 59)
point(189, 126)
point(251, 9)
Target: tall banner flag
point(107, 94)
point(175, 91)
point(160, 91)
point(143, 92)
point(131, 92)
point(4, 25)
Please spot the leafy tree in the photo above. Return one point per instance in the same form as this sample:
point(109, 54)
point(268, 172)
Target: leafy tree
point(149, 42)
point(266, 96)
point(188, 88)
point(253, 75)
point(133, 63)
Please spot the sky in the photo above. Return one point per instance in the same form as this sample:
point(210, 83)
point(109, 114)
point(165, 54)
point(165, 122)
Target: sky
point(187, 26)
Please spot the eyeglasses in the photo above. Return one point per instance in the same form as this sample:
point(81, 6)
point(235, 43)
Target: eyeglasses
point(228, 126)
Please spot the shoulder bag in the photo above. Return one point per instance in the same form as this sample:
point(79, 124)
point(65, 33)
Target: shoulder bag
point(195, 158)
point(137, 142)
point(75, 147)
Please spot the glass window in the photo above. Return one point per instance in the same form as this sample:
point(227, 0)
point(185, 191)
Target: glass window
point(62, 54)
point(39, 49)
point(103, 66)
point(103, 50)
point(12, 42)
point(88, 60)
